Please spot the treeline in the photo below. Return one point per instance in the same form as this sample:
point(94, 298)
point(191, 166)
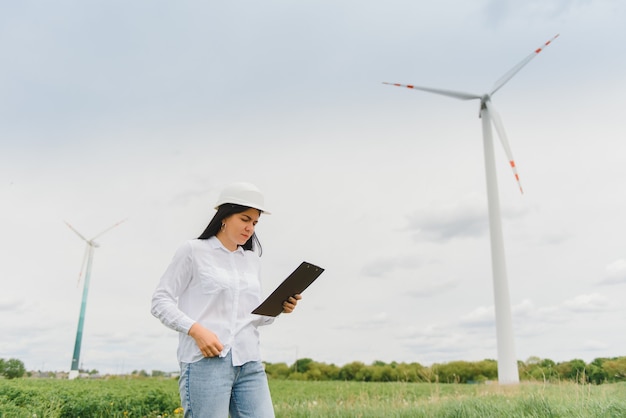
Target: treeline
point(600, 370)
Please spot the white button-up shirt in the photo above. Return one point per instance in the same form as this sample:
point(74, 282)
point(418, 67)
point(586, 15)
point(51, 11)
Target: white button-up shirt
point(209, 284)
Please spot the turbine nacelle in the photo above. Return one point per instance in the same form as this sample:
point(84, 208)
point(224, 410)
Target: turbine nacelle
point(483, 102)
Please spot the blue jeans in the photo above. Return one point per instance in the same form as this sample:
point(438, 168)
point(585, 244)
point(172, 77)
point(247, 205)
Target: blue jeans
point(214, 388)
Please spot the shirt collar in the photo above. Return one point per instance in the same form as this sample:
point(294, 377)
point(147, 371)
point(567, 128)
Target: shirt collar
point(214, 242)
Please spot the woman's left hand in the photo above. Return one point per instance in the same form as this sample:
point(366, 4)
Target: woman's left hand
point(290, 304)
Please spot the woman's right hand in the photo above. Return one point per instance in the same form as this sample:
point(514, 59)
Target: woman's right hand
point(207, 342)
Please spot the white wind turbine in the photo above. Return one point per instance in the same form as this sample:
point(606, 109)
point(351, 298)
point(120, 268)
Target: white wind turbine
point(87, 259)
point(507, 363)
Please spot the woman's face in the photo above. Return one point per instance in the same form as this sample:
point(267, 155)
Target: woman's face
point(238, 228)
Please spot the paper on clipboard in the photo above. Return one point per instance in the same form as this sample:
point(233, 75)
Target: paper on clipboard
point(295, 283)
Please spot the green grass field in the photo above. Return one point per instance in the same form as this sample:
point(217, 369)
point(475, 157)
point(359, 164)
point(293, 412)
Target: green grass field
point(154, 397)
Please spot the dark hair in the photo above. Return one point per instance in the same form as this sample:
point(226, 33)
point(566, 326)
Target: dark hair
point(223, 212)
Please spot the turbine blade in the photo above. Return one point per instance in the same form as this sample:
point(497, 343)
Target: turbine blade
point(497, 123)
point(108, 229)
point(82, 265)
point(456, 94)
point(77, 233)
point(506, 77)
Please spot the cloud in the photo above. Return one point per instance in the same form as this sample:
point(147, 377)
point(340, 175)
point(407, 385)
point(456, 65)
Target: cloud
point(479, 317)
point(527, 312)
point(15, 305)
point(433, 338)
point(380, 318)
point(387, 266)
point(594, 345)
point(587, 303)
point(531, 320)
point(446, 223)
point(524, 309)
point(615, 273)
point(497, 11)
point(433, 287)
point(372, 321)
point(465, 219)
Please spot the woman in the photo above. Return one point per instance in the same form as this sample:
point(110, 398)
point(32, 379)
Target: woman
point(207, 294)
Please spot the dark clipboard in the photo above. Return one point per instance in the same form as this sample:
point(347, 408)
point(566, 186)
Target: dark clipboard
point(295, 283)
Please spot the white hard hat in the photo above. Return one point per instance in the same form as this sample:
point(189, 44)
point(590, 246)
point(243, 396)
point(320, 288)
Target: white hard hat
point(245, 194)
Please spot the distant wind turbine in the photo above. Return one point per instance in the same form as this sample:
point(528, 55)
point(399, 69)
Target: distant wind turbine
point(507, 363)
point(87, 259)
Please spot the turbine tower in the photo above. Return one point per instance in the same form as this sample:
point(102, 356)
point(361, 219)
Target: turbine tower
point(507, 363)
point(87, 259)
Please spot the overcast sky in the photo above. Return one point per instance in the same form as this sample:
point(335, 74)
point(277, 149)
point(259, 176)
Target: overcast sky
point(143, 110)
